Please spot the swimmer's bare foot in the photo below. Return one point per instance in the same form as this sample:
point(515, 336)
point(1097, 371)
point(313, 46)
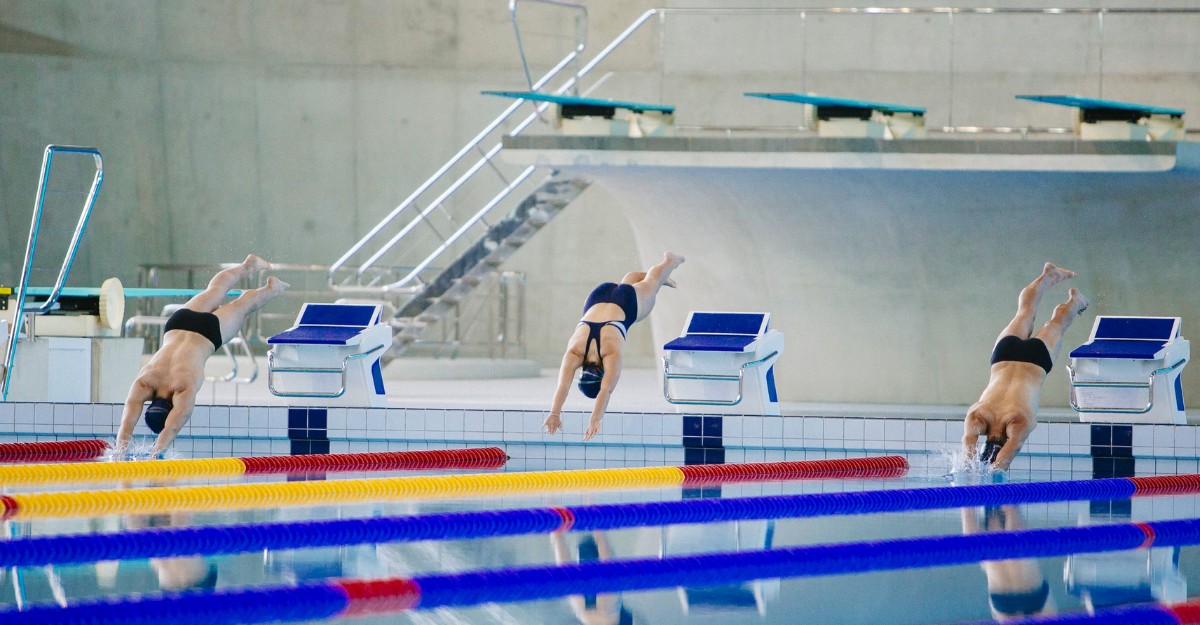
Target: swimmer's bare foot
point(277, 285)
point(1052, 274)
point(1077, 302)
point(670, 262)
point(254, 263)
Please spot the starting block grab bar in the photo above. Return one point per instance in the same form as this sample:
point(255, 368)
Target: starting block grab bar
point(341, 371)
point(739, 378)
point(1148, 385)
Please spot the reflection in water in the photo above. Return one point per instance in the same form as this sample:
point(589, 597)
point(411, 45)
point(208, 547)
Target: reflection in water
point(749, 596)
point(1107, 580)
point(1016, 588)
point(181, 573)
point(598, 609)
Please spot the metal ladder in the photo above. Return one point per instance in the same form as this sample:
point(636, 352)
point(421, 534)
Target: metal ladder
point(21, 312)
point(480, 241)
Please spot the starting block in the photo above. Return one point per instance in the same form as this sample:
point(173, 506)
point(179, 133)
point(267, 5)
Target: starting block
point(576, 115)
point(710, 363)
point(1128, 371)
point(1107, 120)
point(839, 117)
point(331, 356)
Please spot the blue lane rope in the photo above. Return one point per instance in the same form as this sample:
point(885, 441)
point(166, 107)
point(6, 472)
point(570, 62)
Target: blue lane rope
point(229, 539)
point(332, 598)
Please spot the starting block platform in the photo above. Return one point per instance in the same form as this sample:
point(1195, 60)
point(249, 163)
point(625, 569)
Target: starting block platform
point(577, 115)
point(1128, 371)
point(1118, 121)
point(331, 357)
point(709, 364)
point(841, 117)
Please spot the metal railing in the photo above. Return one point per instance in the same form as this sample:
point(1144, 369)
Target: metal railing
point(490, 322)
point(412, 283)
point(21, 311)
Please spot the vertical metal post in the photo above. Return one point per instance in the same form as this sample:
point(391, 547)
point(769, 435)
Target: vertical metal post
point(1100, 25)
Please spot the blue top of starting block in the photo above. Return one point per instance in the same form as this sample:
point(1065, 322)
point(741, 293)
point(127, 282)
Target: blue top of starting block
point(77, 291)
point(711, 343)
point(1118, 348)
point(570, 100)
point(315, 335)
point(1093, 104)
point(818, 101)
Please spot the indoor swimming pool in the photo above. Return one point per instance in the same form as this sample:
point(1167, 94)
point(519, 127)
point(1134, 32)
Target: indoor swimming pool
point(479, 541)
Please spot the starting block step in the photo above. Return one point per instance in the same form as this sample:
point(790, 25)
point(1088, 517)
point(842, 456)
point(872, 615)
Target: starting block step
point(842, 117)
point(576, 115)
point(1097, 119)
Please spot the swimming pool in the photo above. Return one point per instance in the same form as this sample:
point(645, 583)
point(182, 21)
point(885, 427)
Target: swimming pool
point(938, 594)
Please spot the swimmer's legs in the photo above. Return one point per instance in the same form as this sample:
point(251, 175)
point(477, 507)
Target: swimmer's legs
point(233, 314)
point(1051, 334)
point(211, 297)
point(1022, 323)
point(647, 284)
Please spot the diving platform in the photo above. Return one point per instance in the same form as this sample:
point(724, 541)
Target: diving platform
point(963, 153)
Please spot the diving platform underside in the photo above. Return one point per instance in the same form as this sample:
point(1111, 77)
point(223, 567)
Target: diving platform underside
point(941, 154)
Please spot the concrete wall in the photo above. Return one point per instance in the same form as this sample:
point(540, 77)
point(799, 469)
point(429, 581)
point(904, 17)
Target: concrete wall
point(288, 127)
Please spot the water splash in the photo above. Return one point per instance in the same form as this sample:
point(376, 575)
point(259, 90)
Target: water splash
point(965, 471)
point(138, 449)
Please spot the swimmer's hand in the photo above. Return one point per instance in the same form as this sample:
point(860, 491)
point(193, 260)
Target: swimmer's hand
point(592, 430)
point(553, 423)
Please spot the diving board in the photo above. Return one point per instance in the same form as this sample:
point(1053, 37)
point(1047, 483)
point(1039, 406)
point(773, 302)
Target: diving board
point(37, 291)
point(577, 115)
point(842, 117)
point(1097, 119)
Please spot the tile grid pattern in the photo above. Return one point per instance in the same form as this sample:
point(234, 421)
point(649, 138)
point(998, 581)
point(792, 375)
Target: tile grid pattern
point(255, 429)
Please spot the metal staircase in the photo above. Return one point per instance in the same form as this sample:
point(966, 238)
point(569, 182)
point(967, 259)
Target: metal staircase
point(485, 226)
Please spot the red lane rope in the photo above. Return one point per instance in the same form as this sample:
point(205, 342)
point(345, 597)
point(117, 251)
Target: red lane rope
point(885, 466)
point(52, 450)
point(478, 457)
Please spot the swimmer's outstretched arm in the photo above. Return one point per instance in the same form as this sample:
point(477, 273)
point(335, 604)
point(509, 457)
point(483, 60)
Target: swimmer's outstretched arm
point(182, 405)
point(566, 373)
point(1017, 431)
point(973, 427)
point(139, 394)
point(612, 373)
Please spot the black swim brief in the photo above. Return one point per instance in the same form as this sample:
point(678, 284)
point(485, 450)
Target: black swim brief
point(202, 323)
point(1016, 349)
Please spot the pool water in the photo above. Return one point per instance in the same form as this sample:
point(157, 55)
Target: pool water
point(945, 594)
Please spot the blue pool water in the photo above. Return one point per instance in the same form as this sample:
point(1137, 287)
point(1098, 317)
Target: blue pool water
point(946, 594)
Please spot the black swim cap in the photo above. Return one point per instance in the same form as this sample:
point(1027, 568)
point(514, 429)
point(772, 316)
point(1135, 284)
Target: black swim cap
point(589, 380)
point(156, 414)
point(991, 449)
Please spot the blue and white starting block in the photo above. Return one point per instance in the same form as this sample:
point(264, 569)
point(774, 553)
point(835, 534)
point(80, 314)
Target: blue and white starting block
point(1109, 120)
point(1128, 371)
point(576, 115)
point(724, 360)
point(840, 117)
point(331, 356)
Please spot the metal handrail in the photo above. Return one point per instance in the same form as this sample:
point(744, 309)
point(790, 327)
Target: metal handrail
point(441, 172)
point(31, 247)
point(739, 378)
point(1149, 385)
point(272, 370)
point(581, 28)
